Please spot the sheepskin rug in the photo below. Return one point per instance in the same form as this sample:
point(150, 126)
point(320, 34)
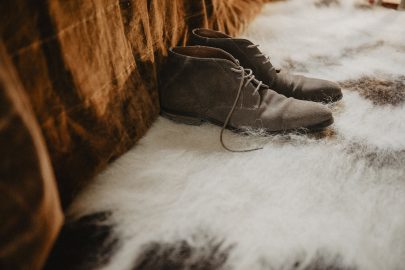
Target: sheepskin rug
point(329, 200)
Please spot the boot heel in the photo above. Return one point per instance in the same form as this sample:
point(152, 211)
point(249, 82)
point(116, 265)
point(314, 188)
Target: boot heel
point(189, 120)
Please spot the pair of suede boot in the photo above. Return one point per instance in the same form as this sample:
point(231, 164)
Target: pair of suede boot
point(229, 82)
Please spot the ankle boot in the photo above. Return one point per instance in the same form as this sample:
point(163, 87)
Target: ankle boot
point(251, 57)
point(203, 84)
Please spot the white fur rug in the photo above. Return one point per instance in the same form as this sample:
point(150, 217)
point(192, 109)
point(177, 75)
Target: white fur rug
point(334, 200)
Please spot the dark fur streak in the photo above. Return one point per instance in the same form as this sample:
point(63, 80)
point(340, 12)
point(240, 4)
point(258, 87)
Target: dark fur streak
point(321, 263)
point(85, 243)
point(377, 158)
point(350, 52)
point(182, 255)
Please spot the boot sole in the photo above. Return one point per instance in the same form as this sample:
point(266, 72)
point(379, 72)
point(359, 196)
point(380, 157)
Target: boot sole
point(332, 99)
point(327, 99)
point(193, 120)
point(337, 98)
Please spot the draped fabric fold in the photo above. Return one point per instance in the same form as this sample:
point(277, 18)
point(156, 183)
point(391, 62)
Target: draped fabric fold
point(30, 210)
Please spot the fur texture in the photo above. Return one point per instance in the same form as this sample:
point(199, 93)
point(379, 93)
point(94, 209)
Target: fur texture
point(332, 200)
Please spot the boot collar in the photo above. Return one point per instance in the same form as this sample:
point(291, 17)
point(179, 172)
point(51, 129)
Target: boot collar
point(209, 34)
point(202, 53)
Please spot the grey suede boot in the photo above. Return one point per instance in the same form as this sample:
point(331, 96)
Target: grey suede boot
point(282, 82)
point(199, 84)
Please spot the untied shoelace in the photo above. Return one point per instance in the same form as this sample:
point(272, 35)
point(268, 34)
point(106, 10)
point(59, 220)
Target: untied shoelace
point(246, 77)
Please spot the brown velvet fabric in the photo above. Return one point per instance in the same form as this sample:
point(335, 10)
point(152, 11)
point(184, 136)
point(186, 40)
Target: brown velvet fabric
point(88, 71)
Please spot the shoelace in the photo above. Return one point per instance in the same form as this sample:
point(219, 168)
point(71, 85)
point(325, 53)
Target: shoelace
point(246, 75)
point(259, 54)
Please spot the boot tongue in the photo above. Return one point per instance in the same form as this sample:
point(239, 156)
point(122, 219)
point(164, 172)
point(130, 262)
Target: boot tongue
point(254, 61)
point(231, 58)
point(227, 56)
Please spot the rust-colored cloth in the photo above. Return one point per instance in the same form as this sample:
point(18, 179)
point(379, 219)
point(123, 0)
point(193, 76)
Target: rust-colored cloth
point(88, 71)
point(30, 212)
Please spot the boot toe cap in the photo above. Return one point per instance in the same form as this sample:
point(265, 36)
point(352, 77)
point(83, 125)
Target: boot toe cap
point(321, 117)
point(322, 90)
point(307, 114)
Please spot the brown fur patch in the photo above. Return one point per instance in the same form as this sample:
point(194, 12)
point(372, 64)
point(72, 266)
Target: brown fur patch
point(349, 52)
point(388, 91)
point(325, 60)
point(377, 158)
point(363, 5)
point(328, 133)
point(326, 3)
point(293, 65)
